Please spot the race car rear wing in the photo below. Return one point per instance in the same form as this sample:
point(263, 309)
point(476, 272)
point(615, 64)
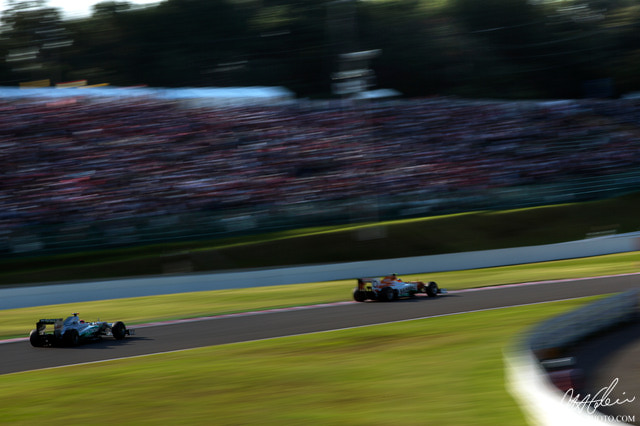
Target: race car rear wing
point(41, 325)
point(366, 283)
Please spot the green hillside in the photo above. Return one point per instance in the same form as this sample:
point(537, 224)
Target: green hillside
point(426, 236)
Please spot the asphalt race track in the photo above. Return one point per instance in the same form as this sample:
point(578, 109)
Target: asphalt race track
point(155, 338)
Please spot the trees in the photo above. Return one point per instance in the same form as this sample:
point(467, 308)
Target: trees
point(32, 40)
point(497, 48)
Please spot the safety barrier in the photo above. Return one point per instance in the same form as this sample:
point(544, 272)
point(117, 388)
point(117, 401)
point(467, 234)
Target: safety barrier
point(530, 382)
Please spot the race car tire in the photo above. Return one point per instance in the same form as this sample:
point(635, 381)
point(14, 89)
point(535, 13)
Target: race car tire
point(387, 295)
point(432, 289)
point(36, 339)
point(359, 295)
point(71, 338)
point(118, 330)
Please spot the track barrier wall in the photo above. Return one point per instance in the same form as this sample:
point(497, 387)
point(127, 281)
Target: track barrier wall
point(531, 383)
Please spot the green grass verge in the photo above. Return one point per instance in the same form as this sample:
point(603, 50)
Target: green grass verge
point(19, 322)
point(440, 371)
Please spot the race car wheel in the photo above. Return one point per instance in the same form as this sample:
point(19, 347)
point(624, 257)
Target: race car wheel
point(71, 338)
point(359, 295)
point(118, 330)
point(387, 295)
point(36, 339)
point(432, 289)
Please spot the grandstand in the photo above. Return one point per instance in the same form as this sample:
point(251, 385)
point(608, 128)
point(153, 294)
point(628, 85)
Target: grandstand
point(128, 169)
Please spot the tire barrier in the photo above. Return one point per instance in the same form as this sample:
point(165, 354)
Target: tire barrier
point(540, 369)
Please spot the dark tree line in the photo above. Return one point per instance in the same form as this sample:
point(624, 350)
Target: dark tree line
point(490, 48)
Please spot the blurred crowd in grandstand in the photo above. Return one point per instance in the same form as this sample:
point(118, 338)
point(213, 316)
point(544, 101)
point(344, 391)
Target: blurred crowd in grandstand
point(79, 160)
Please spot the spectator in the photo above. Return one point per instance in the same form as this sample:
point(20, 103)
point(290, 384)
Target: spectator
point(86, 160)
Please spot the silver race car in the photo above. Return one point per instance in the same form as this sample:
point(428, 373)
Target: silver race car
point(72, 331)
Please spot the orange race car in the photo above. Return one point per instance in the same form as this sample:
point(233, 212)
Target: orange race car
point(391, 288)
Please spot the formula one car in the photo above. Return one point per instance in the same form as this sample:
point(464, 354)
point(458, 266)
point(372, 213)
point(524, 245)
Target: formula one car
point(391, 288)
point(72, 331)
